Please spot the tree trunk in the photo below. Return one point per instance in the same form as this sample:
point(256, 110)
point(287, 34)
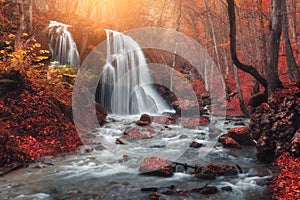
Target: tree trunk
point(20, 5)
point(30, 17)
point(240, 92)
point(213, 32)
point(272, 68)
point(264, 39)
point(247, 68)
point(176, 44)
point(290, 59)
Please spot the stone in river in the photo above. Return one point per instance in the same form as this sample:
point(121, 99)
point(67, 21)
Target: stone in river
point(137, 133)
point(226, 188)
point(155, 166)
point(195, 145)
point(228, 142)
point(206, 190)
point(223, 170)
point(205, 173)
point(144, 120)
point(242, 135)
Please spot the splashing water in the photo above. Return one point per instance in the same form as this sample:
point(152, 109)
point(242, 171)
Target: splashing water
point(126, 82)
point(62, 46)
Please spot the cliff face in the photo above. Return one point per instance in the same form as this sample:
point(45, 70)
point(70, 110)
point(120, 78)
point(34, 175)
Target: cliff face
point(274, 124)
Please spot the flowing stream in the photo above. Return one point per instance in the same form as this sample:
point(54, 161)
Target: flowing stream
point(101, 171)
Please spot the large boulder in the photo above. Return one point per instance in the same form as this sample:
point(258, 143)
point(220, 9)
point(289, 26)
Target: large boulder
point(274, 124)
point(155, 166)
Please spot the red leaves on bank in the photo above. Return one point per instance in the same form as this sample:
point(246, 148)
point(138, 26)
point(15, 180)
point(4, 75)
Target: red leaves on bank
point(34, 124)
point(287, 184)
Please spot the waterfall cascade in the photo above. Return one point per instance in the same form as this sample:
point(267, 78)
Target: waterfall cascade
point(126, 86)
point(62, 46)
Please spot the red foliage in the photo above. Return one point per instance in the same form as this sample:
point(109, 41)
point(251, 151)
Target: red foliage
point(34, 124)
point(287, 184)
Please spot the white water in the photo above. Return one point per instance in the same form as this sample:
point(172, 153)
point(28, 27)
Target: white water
point(62, 46)
point(103, 174)
point(126, 81)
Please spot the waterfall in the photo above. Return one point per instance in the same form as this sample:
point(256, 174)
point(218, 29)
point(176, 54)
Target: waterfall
point(62, 46)
point(126, 86)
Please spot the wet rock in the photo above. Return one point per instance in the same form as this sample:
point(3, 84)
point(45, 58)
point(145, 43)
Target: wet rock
point(242, 135)
point(142, 123)
point(124, 159)
point(137, 133)
point(223, 170)
point(145, 120)
point(226, 188)
point(155, 166)
point(205, 173)
point(206, 190)
point(196, 145)
point(154, 196)
point(118, 141)
point(228, 142)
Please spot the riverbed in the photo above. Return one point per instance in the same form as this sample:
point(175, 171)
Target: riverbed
point(103, 169)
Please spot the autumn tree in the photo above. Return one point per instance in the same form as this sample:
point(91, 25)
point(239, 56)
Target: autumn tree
point(278, 24)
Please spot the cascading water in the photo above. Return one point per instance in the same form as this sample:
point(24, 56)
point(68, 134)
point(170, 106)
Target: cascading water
point(62, 46)
point(126, 86)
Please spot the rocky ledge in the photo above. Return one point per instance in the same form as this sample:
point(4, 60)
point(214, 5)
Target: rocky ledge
point(275, 125)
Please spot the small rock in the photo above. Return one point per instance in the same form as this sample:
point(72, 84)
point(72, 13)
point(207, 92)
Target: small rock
point(228, 142)
point(206, 190)
point(223, 170)
point(142, 123)
point(205, 173)
point(195, 145)
point(136, 133)
point(227, 188)
point(118, 141)
point(155, 166)
point(145, 120)
point(242, 135)
point(154, 196)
